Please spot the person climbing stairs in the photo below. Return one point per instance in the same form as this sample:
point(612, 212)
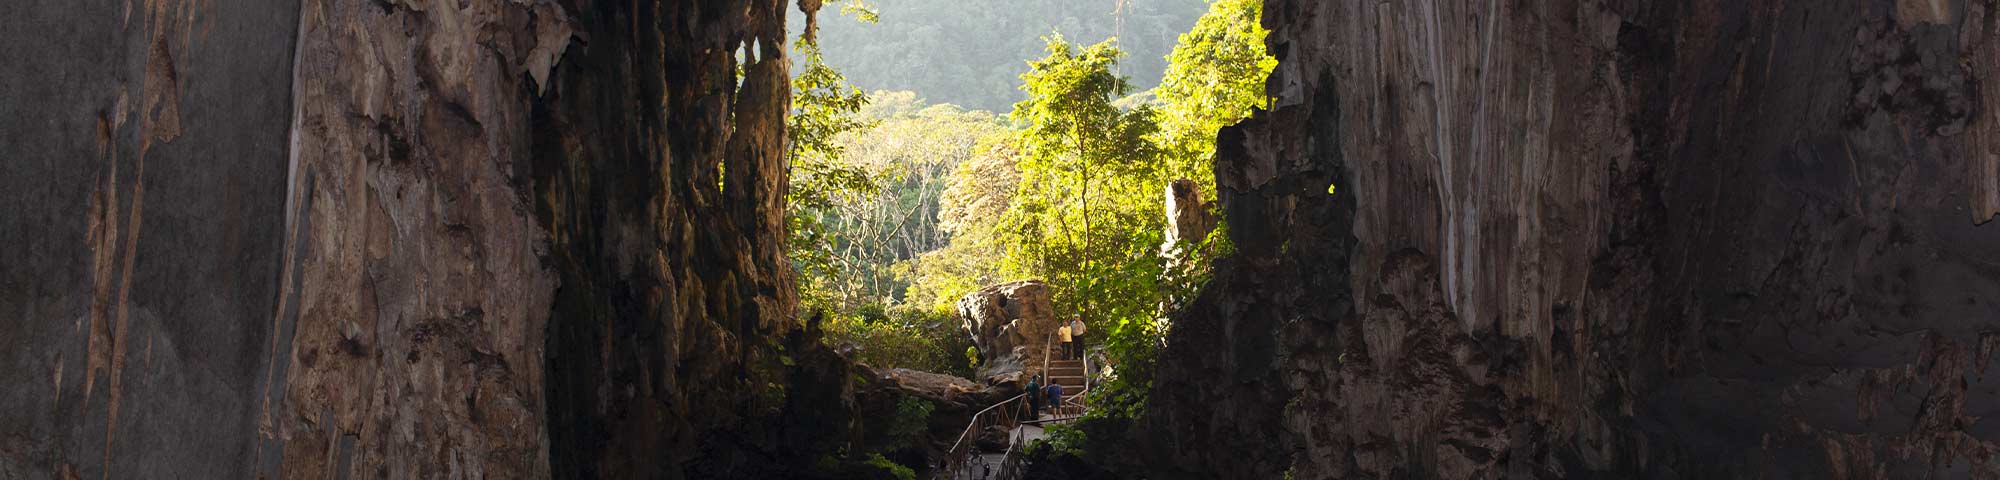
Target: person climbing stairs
point(1070, 375)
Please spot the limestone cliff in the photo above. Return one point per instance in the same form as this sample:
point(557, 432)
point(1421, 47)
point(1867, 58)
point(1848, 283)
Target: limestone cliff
point(142, 204)
point(1661, 239)
point(411, 292)
point(660, 177)
point(405, 239)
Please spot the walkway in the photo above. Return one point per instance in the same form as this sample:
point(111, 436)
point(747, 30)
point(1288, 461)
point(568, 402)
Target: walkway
point(984, 463)
point(988, 465)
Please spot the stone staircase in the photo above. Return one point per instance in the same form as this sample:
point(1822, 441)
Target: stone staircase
point(1069, 374)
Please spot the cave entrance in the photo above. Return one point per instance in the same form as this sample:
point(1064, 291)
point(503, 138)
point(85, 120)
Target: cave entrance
point(935, 151)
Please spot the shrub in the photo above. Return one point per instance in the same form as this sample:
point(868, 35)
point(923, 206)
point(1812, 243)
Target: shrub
point(913, 416)
point(902, 337)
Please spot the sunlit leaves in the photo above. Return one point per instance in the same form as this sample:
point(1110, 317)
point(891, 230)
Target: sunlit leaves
point(824, 106)
point(1085, 213)
point(1215, 77)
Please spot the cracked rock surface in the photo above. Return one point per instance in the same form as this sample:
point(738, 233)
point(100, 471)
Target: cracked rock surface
point(405, 239)
point(1642, 239)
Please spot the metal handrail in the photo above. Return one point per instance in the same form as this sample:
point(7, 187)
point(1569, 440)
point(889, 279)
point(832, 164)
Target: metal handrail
point(1086, 368)
point(956, 458)
point(960, 450)
point(1048, 343)
point(1010, 463)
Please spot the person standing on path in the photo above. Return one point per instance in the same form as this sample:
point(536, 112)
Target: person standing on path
point(1076, 333)
point(1064, 333)
point(1035, 397)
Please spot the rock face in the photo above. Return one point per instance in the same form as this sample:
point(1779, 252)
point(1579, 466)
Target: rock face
point(1582, 238)
point(1009, 324)
point(411, 251)
point(1189, 219)
point(143, 160)
point(672, 349)
point(353, 238)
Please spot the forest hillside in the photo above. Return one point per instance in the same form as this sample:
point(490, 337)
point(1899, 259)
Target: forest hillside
point(972, 52)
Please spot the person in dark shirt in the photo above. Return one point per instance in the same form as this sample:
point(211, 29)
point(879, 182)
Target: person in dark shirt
point(1055, 398)
point(1035, 397)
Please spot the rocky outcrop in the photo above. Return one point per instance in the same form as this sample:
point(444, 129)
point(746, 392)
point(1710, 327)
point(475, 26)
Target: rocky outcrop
point(1583, 238)
point(1189, 219)
point(1009, 323)
point(951, 401)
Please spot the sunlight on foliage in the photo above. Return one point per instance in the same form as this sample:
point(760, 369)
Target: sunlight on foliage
point(823, 107)
point(915, 339)
point(1215, 78)
point(901, 207)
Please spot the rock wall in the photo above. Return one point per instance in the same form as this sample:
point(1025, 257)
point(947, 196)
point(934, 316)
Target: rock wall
point(1663, 239)
point(142, 204)
point(412, 293)
point(405, 239)
point(1189, 218)
point(673, 352)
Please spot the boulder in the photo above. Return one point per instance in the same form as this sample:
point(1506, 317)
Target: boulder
point(1009, 324)
point(953, 402)
point(936, 386)
point(992, 439)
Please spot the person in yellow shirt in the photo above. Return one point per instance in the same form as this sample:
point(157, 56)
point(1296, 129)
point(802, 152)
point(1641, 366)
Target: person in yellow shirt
point(1063, 334)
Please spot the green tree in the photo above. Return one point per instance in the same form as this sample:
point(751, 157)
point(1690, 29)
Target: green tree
point(1082, 214)
point(1215, 78)
point(980, 191)
point(910, 150)
point(824, 107)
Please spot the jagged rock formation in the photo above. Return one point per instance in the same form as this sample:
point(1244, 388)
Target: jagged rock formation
point(411, 251)
point(672, 345)
point(327, 239)
point(1009, 323)
point(1624, 238)
point(1189, 219)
